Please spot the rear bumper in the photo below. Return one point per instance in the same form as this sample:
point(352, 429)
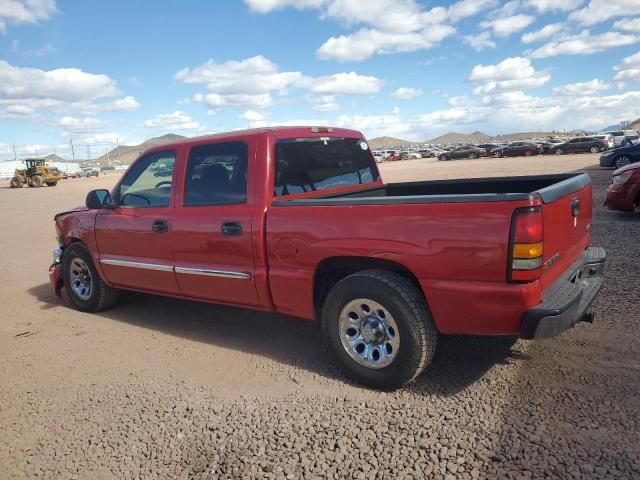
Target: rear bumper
point(567, 301)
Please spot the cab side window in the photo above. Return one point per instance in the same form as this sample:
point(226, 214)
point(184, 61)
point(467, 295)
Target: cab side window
point(148, 182)
point(217, 174)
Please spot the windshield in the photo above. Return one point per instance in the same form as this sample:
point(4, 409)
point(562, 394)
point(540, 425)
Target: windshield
point(310, 164)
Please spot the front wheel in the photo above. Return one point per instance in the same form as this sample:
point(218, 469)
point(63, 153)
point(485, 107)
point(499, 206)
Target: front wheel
point(559, 151)
point(473, 156)
point(83, 285)
point(528, 153)
point(37, 181)
point(622, 161)
point(595, 149)
point(443, 158)
point(379, 327)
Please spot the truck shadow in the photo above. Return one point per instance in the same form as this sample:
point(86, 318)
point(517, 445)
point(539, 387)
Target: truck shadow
point(458, 363)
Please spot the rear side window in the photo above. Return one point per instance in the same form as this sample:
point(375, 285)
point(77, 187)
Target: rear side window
point(311, 164)
point(217, 174)
point(617, 134)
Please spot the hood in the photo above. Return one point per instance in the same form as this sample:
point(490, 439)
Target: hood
point(73, 210)
point(631, 166)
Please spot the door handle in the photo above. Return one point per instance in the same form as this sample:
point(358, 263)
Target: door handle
point(160, 226)
point(233, 229)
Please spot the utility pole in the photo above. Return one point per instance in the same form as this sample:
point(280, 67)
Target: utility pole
point(15, 155)
point(73, 153)
point(88, 152)
point(118, 143)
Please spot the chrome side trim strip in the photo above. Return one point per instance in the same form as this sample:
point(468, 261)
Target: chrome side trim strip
point(145, 266)
point(212, 273)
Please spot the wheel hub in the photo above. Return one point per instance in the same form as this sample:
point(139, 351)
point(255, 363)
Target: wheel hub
point(369, 333)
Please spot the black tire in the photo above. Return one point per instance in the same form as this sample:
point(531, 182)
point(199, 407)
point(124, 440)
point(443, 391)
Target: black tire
point(52, 184)
point(443, 158)
point(594, 149)
point(36, 181)
point(407, 305)
point(16, 182)
point(497, 154)
point(559, 151)
point(102, 295)
point(473, 156)
point(622, 161)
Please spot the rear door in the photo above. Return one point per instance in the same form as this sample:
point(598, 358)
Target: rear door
point(212, 225)
point(134, 239)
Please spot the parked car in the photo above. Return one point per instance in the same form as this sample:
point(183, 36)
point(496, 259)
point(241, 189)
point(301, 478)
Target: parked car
point(624, 191)
point(487, 147)
point(620, 157)
point(580, 145)
point(89, 172)
point(426, 153)
point(465, 151)
point(410, 155)
point(608, 138)
point(279, 220)
point(548, 146)
point(517, 149)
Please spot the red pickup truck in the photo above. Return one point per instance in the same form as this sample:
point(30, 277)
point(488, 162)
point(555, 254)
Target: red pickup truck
point(297, 220)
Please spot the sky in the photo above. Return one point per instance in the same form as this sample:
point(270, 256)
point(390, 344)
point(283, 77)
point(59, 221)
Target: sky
point(96, 74)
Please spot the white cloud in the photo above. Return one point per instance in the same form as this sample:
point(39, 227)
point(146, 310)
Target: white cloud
point(505, 26)
point(253, 82)
point(322, 103)
point(25, 11)
point(252, 116)
point(407, 93)
point(628, 24)
point(480, 41)
point(389, 26)
point(512, 74)
point(67, 84)
point(173, 121)
point(584, 44)
point(124, 104)
point(367, 42)
point(598, 11)
point(86, 124)
point(628, 70)
point(266, 6)
point(550, 5)
point(346, 84)
point(17, 111)
point(582, 88)
point(545, 32)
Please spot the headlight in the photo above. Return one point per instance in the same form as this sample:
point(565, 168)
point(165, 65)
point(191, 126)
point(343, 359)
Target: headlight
point(621, 178)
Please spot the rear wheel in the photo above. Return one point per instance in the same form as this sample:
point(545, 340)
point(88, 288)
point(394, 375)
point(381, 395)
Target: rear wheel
point(379, 327)
point(85, 289)
point(622, 161)
point(559, 151)
point(473, 156)
point(15, 182)
point(443, 158)
point(595, 149)
point(528, 153)
point(497, 154)
point(36, 181)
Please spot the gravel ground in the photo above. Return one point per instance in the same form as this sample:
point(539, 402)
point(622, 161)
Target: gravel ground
point(161, 388)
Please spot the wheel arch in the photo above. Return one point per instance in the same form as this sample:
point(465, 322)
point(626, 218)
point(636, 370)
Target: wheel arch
point(333, 269)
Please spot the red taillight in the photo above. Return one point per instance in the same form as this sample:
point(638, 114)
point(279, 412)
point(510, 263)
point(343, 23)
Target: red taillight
point(526, 245)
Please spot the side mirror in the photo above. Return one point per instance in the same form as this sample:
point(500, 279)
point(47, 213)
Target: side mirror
point(98, 199)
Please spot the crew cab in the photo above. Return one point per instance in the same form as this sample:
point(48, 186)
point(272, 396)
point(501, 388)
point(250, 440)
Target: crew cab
point(297, 220)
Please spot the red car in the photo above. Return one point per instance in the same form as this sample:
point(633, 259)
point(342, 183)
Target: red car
point(297, 220)
point(624, 191)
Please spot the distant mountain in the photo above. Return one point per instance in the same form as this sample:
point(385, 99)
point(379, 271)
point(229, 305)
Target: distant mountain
point(386, 142)
point(455, 137)
point(126, 154)
point(54, 158)
point(635, 124)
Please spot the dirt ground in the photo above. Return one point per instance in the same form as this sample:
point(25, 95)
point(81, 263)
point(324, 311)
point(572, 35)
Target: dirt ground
point(162, 388)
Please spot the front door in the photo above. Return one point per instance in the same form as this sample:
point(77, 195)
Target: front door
point(134, 237)
point(212, 227)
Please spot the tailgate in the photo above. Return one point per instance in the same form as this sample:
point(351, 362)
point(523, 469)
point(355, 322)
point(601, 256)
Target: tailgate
point(566, 214)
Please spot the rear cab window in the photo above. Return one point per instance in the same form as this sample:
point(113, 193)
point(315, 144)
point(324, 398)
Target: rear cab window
point(322, 163)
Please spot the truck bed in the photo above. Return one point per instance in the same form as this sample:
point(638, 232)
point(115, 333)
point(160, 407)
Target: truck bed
point(547, 187)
